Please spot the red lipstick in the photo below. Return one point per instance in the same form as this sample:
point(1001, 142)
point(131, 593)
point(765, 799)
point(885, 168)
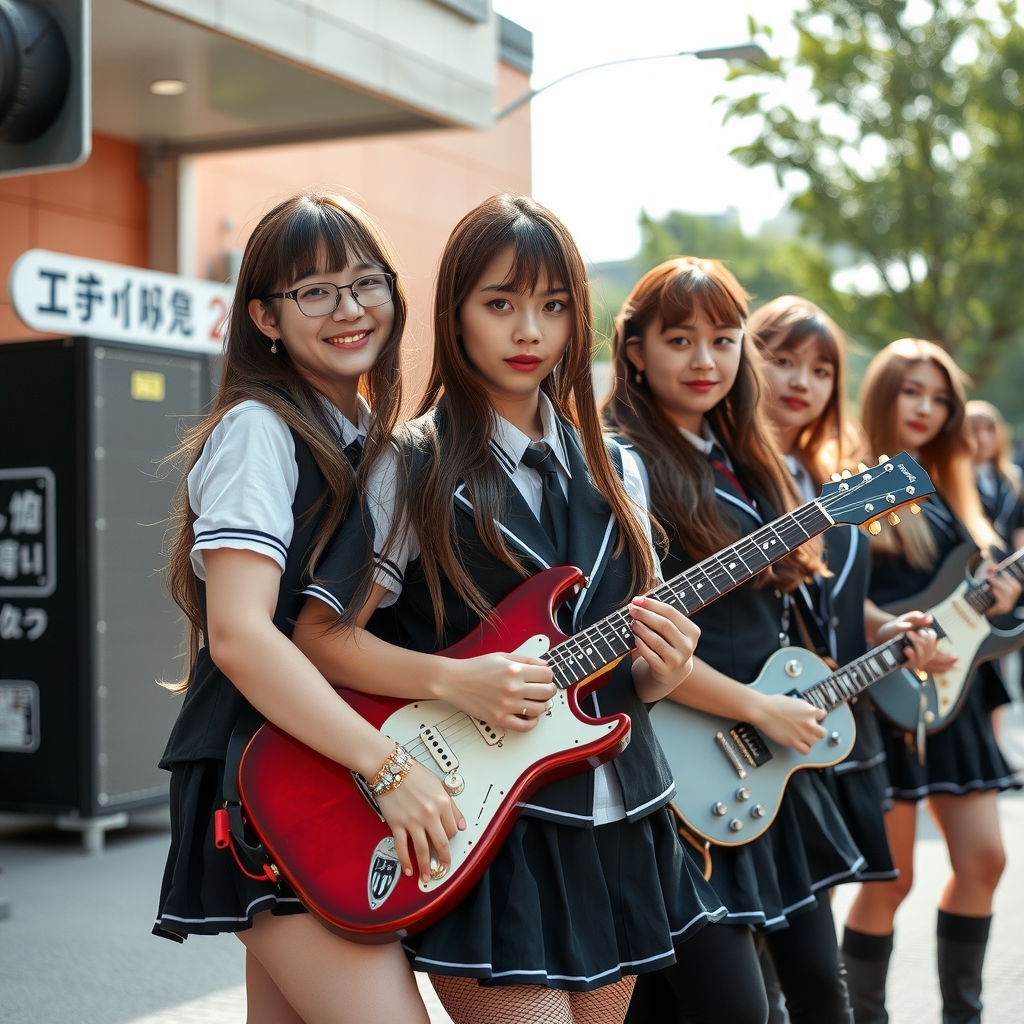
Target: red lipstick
point(702, 386)
point(524, 363)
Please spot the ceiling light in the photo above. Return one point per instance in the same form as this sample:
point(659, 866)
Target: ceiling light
point(168, 87)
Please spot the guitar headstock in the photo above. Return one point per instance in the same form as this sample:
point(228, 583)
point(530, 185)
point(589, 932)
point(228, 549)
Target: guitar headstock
point(866, 497)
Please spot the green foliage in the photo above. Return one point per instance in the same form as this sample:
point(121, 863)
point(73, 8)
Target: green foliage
point(913, 162)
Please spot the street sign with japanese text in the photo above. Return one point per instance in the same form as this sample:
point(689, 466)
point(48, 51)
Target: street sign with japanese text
point(68, 295)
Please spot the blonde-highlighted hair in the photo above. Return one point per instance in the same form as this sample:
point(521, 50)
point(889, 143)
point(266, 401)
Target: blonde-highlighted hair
point(1004, 465)
point(946, 458)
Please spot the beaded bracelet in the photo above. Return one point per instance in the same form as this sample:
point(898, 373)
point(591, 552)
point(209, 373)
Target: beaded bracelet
point(392, 773)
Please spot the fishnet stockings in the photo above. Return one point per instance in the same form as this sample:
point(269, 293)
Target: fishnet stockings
point(470, 1003)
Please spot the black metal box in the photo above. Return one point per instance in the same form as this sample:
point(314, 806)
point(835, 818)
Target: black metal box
point(87, 626)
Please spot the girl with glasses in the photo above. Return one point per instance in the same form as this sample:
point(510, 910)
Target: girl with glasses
point(272, 473)
point(503, 473)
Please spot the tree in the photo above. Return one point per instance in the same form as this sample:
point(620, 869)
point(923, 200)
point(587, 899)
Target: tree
point(912, 162)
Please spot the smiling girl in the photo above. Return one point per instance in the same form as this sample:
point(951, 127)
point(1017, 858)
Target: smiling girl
point(505, 473)
point(316, 324)
point(689, 396)
point(913, 398)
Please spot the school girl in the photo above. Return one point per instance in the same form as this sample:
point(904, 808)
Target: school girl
point(998, 477)
point(504, 473)
point(913, 398)
point(688, 394)
point(317, 317)
point(806, 373)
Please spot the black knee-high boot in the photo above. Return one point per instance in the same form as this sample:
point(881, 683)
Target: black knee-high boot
point(961, 953)
point(867, 965)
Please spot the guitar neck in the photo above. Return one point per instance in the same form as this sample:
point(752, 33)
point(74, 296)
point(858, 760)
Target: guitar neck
point(857, 676)
point(609, 639)
point(980, 597)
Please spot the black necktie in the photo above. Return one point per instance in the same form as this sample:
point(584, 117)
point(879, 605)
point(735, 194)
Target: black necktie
point(554, 509)
point(353, 452)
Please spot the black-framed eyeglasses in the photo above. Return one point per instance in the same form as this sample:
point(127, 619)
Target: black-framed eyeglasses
point(322, 298)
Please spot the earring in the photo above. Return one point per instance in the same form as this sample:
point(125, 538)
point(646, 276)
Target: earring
point(273, 347)
point(638, 377)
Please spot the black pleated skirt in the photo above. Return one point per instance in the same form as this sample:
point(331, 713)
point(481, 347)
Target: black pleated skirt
point(858, 786)
point(963, 758)
point(807, 848)
point(573, 908)
point(204, 891)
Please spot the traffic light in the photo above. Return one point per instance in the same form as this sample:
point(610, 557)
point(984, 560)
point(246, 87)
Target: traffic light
point(45, 115)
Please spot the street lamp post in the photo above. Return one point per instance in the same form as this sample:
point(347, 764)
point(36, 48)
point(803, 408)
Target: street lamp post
point(745, 51)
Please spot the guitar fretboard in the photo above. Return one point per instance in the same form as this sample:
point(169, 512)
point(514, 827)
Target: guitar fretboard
point(980, 598)
point(858, 675)
point(610, 638)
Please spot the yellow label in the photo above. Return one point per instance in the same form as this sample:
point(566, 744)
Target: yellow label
point(148, 386)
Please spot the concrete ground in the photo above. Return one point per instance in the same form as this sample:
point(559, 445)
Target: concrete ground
point(77, 947)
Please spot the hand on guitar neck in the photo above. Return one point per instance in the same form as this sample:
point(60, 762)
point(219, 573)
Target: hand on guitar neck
point(1005, 590)
point(924, 654)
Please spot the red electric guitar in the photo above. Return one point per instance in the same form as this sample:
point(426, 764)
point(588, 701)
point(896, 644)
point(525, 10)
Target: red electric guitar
point(323, 831)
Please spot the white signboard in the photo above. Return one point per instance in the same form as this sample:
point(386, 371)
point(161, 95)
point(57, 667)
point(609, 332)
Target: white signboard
point(68, 295)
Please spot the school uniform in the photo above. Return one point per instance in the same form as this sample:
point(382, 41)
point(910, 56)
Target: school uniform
point(591, 884)
point(858, 784)
point(253, 488)
point(770, 884)
point(964, 757)
point(1001, 500)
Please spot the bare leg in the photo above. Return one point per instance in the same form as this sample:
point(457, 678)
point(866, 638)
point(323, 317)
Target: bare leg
point(263, 999)
point(326, 979)
point(876, 904)
point(970, 826)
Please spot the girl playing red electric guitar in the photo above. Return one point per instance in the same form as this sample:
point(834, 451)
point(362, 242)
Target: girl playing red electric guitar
point(316, 323)
point(504, 473)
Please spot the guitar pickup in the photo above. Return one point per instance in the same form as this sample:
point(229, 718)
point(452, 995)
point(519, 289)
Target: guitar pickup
point(492, 737)
point(751, 744)
point(438, 749)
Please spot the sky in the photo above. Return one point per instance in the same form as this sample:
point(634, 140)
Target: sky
point(642, 136)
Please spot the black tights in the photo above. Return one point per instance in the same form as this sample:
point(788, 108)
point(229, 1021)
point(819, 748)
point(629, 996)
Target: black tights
point(806, 959)
point(716, 979)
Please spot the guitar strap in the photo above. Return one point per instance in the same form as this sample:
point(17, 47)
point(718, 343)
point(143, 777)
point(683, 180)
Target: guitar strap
point(229, 822)
point(810, 628)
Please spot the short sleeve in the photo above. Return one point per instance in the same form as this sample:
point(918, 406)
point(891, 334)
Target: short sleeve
point(635, 481)
point(242, 487)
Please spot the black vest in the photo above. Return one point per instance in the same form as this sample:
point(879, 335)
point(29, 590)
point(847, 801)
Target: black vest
point(212, 704)
point(642, 769)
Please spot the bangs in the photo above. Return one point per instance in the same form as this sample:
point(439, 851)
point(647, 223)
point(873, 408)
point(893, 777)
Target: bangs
point(537, 256)
point(810, 329)
point(322, 238)
point(693, 290)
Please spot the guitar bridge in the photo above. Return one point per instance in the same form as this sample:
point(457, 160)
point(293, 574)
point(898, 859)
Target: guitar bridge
point(731, 752)
point(750, 744)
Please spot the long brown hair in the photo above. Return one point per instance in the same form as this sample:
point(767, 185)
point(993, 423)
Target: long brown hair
point(946, 458)
point(1003, 462)
point(459, 448)
point(313, 232)
point(682, 483)
point(833, 441)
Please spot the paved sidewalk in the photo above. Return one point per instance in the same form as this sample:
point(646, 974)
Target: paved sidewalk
point(77, 947)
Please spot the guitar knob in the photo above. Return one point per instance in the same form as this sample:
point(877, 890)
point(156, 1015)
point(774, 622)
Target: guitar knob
point(929, 717)
point(718, 809)
point(454, 783)
point(757, 811)
point(915, 508)
point(735, 825)
point(833, 740)
point(882, 458)
point(894, 520)
point(743, 793)
point(875, 528)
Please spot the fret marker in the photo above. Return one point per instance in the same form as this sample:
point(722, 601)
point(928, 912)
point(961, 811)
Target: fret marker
point(732, 565)
point(699, 585)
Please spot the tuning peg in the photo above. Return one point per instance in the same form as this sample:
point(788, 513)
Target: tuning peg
point(836, 477)
point(845, 475)
point(882, 458)
point(915, 508)
point(875, 528)
point(894, 520)
point(861, 468)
